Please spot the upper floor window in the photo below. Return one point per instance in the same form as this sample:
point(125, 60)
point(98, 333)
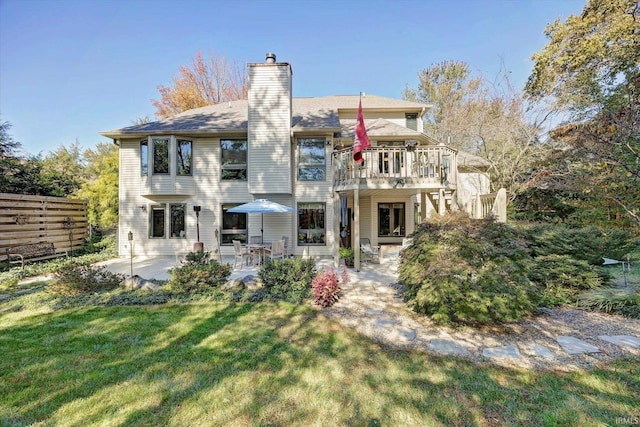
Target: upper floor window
point(234, 158)
point(311, 159)
point(412, 120)
point(183, 158)
point(160, 155)
point(144, 157)
point(311, 224)
point(234, 226)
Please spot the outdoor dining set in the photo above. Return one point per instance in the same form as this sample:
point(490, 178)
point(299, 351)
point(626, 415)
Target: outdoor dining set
point(257, 251)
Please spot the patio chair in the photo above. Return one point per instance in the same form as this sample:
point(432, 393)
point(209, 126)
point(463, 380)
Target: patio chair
point(369, 253)
point(286, 246)
point(277, 250)
point(241, 253)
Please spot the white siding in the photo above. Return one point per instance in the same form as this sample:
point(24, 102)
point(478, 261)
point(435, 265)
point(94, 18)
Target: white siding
point(269, 128)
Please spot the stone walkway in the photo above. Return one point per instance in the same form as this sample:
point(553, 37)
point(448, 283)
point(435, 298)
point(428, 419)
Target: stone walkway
point(558, 339)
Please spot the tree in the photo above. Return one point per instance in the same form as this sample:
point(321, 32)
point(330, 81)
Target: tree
point(203, 83)
point(591, 67)
point(101, 187)
point(588, 56)
point(484, 118)
point(62, 171)
point(8, 146)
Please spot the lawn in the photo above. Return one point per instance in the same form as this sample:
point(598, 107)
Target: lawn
point(270, 364)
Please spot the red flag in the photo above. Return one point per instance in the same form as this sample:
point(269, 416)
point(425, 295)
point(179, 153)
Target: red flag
point(361, 140)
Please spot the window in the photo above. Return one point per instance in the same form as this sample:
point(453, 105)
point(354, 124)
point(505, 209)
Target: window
point(234, 226)
point(412, 121)
point(234, 159)
point(160, 156)
point(156, 218)
point(183, 158)
point(391, 219)
point(311, 224)
point(144, 157)
point(176, 215)
point(311, 159)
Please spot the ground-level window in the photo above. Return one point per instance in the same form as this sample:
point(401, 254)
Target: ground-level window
point(157, 221)
point(183, 157)
point(160, 155)
point(234, 159)
point(311, 159)
point(391, 219)
point(234, 226)
point(144, 157)
point(176, 215)
point(311, 224)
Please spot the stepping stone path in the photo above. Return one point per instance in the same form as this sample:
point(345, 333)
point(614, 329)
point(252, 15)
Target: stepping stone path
point(622, 340)
point(509, 351)
point(573, 345)
point(448, 346)
point(375, 303)
point(542, 351)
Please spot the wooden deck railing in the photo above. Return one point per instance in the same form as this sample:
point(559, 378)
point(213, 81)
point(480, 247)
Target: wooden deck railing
point(421, 165)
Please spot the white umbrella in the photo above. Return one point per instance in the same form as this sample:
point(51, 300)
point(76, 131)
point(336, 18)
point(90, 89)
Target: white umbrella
point(261, 206)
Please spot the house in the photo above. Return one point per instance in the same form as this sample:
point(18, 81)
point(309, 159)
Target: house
point(294, 151)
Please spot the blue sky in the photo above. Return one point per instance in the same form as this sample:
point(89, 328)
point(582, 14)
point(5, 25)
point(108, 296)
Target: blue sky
point(72, 68)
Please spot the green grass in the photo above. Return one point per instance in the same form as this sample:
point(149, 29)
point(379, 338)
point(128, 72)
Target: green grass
point(269, 364)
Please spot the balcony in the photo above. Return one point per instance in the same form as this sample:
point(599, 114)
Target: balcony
point(431, 167)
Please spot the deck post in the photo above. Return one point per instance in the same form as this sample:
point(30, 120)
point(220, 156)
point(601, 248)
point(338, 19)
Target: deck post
point(356, 229)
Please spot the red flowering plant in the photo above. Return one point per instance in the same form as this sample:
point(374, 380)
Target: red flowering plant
point(326, 286)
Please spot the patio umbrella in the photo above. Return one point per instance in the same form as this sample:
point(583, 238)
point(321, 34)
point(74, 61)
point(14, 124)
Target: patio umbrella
point(261, 206)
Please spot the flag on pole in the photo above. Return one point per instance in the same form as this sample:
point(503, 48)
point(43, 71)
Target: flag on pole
point(361, 140)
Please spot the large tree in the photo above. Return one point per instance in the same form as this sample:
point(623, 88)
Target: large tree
point(101, 186)
point(204, 82)
point(591, 68)
point(487, 118)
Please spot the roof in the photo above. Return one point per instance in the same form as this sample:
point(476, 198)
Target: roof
point(308, 114)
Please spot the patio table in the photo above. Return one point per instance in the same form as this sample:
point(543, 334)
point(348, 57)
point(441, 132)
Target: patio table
point(261, 249)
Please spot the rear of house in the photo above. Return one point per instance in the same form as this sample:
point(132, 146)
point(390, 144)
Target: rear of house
point(296, 152)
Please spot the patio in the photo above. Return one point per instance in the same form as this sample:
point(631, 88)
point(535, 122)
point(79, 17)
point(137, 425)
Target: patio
point(158, 268)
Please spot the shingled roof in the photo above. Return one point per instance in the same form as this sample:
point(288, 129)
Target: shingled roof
point(308, 114)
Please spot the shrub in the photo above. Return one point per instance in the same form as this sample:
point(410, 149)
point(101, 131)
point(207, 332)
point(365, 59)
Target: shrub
point(326, 286)
point(460, 270)
point(198, 273)
point(624, 301)
point(75, 277)
point(347, 255)
point(288, 280)
point(589, 243)
point(562, 278)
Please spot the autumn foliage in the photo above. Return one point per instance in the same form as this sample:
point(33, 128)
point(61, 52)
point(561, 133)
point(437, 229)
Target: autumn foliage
point(204, 82)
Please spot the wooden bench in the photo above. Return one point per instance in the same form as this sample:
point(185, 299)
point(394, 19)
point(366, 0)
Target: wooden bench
point(33, 252)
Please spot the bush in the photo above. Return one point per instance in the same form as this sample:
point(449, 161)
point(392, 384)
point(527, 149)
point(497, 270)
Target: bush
point(198, 273)
point(589, 243)
point(74, 277)
point(288, 279)
point(624, 301)
point(562, 278)
point(460, 270)
point(326, 286)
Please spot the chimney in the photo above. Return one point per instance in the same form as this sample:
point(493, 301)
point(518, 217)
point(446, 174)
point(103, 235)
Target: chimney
point(269, 127)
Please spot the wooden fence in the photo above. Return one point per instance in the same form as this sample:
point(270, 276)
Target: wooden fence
point(40, 219)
